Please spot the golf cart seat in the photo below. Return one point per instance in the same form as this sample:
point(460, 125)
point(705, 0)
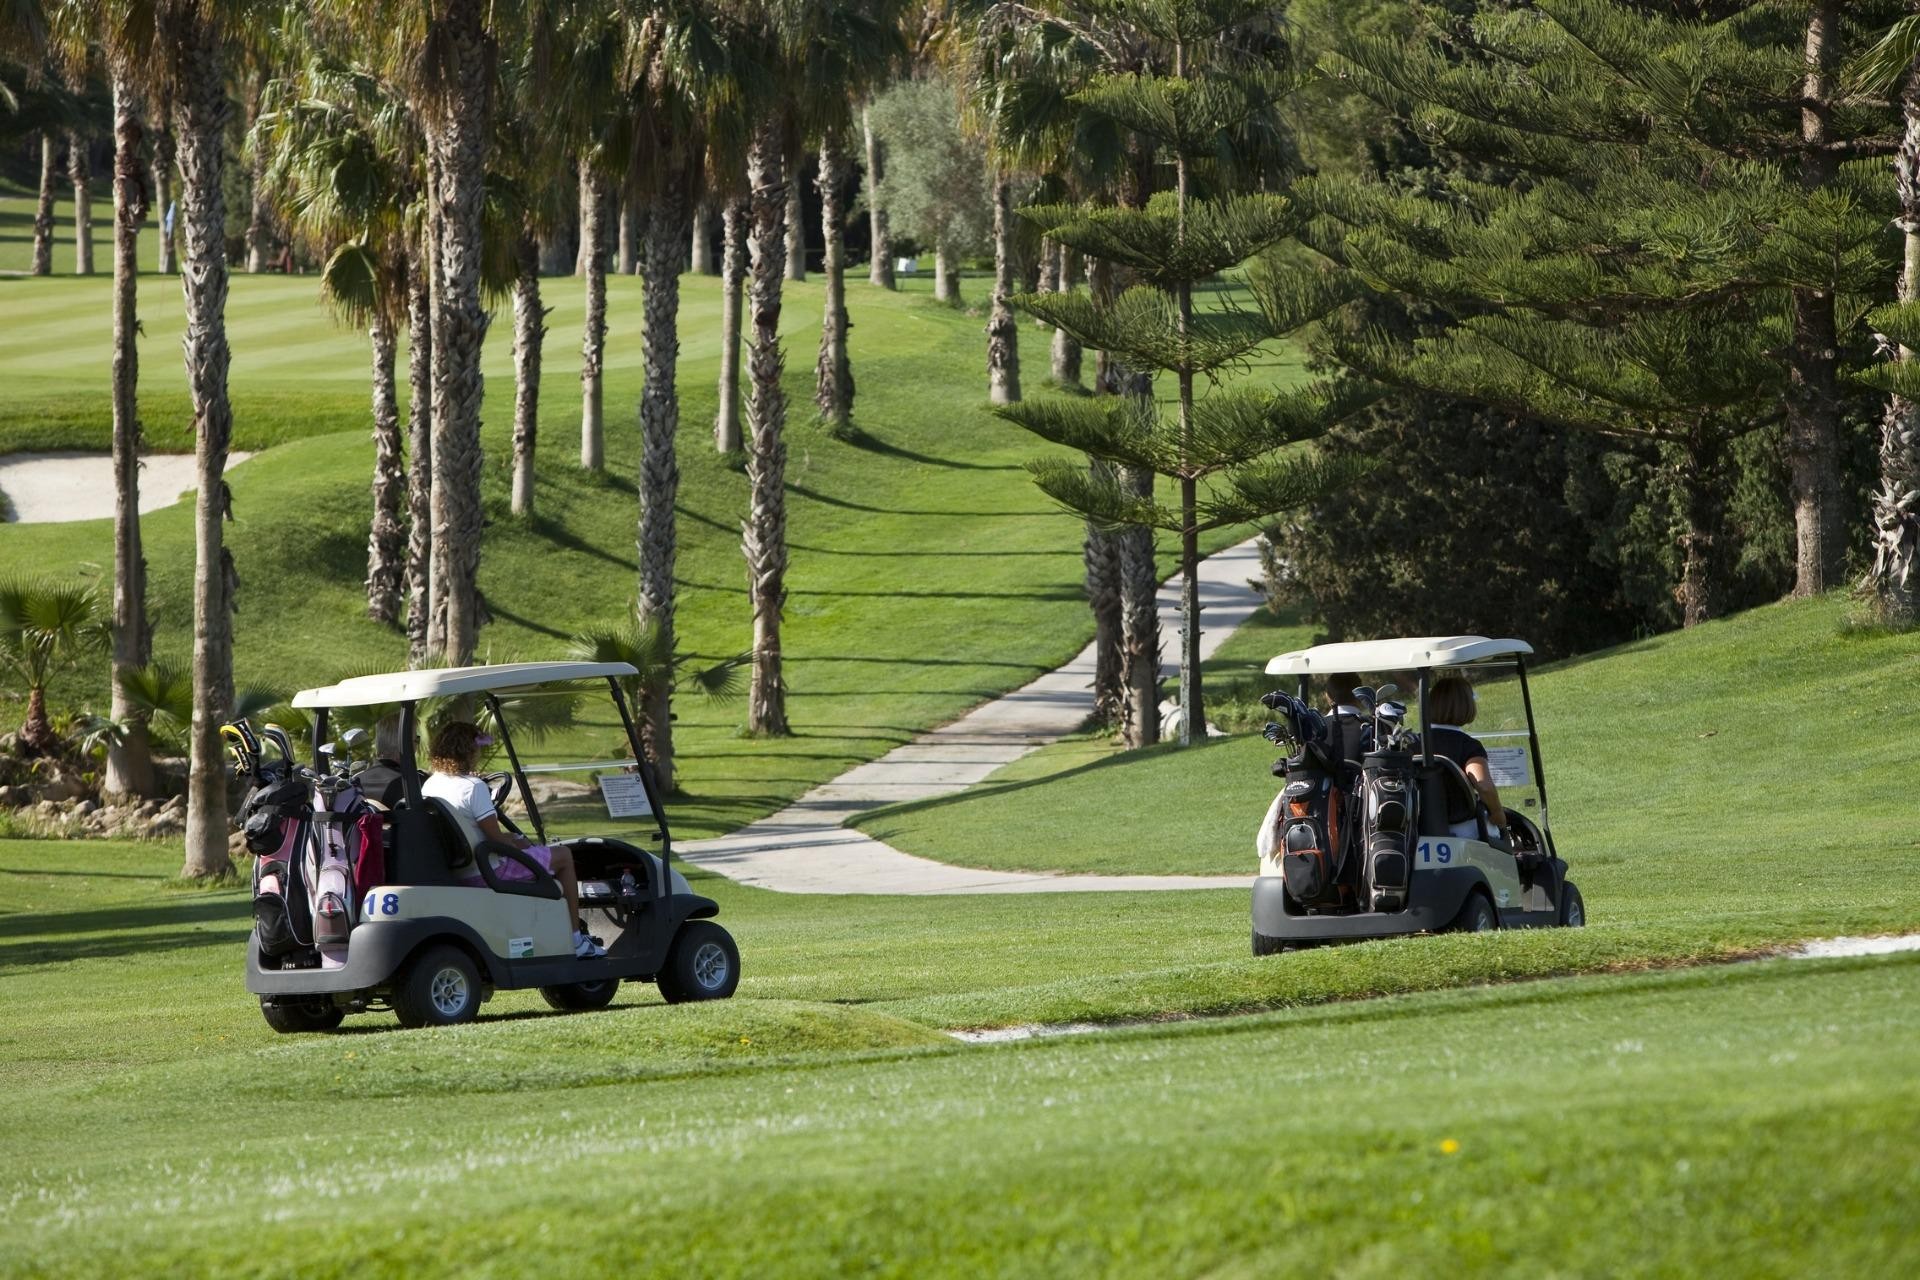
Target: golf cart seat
point(1451, 798)
point(439, 845)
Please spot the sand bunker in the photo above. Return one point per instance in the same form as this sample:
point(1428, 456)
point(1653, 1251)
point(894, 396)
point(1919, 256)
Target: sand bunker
point(46, 487)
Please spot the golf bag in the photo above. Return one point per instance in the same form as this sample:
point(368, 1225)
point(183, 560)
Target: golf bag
point(346, 852)
point(273, 819)
point(1389, 796)
point(1312, 812)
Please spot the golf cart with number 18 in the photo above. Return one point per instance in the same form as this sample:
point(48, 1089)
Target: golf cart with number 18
point(446, 924)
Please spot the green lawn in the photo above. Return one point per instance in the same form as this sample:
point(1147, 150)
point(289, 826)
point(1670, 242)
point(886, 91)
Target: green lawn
point(1754, 1120)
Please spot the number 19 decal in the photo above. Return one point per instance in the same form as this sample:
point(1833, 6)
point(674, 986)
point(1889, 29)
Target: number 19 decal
point(380, 904)
point(1433, 853)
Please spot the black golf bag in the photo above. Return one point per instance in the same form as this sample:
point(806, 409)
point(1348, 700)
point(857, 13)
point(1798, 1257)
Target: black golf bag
point(1313, 816)
point(1388, 802)
point(274, 820)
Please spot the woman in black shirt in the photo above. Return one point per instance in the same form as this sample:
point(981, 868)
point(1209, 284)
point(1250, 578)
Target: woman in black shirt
point(1451, 704)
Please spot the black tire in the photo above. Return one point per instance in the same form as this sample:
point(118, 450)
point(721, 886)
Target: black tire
point(440, 988)
point(1573, 908)
point(581, 997)
point(1476, 916)
point(308, 1015)
point(1265, 946)
point(702, 964)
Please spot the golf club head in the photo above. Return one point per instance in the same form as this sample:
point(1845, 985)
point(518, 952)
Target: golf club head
point(1363, 698)
point(1273, 701)
point(1393, 712)
point(278, 737)
point(352, 739)
point(1385, 690)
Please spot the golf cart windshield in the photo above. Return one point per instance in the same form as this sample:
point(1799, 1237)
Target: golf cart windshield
point(1500, 725)
point(565, 755)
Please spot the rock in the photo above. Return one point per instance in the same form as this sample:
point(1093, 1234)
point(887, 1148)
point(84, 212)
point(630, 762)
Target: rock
point(176, 805)
point(148, 808)
point(58, 788)
point(10, 796)
point(86, 807)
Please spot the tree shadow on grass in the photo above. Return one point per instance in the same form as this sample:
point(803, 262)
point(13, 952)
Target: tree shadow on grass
point(175, 910)
point(107, 946)
point(869, 443)
point(154, 876)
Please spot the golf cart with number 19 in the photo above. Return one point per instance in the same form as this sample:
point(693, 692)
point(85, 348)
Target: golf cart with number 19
point(429, 942)
point(1375, 834)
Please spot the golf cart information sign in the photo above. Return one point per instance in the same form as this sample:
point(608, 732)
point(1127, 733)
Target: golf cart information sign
point(1507, 766)
point(625, 794)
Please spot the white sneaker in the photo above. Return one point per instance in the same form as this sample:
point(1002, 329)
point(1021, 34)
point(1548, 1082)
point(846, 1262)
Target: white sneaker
point(585, 948)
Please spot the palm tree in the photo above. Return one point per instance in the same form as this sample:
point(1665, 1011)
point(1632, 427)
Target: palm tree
point(43, 211)
point(660, 669)
point(163, 197)
point(880, 261)
point(188, 40)
point(44, 625)
point(1890, 581)
point(734, 215)
point(341, 157)
point(80, 173)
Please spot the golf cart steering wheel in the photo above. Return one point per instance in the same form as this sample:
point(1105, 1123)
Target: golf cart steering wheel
point(501, 786)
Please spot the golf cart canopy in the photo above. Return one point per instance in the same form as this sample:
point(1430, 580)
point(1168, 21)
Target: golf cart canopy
point(1411, 654)
point(411, 686)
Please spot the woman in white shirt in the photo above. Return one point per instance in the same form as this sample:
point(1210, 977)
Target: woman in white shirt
point(453, 750)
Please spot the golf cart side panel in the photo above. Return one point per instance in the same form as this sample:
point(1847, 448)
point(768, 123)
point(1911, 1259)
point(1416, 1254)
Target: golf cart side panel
point(374, 957)
point(507, 924)
point(1434, 899)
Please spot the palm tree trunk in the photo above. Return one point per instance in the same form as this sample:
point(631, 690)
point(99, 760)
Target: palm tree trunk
point(200, 114)
point(81, 175)
point(37, 737)
point(733, 271)
point(43, 211)
point(1047, 274)
point(796, 226)
point(1101, 556)
point(387, 540)
point(130, 760)
point(700, 252)
point(1699, 484)
point(1813, 401)
point(629, 234)
point(659, 468)
point(1896, 504)
point(163, 183)
point(765, 541)
point(584, 203)
point(260, 204)
point(1003, 331)
point(833, 373)
point(880, 268)
point(1193, 703)
point(529, 332)
point(419, 451)
point(1066, 350)
point(457, 131)
point(946, 275)
point(593, 343)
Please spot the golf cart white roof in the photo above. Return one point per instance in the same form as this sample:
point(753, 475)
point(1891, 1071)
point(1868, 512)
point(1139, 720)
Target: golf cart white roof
point(438, 682)
point(1409, 654)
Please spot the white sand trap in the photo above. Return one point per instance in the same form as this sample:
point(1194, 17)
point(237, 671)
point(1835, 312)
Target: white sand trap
point(1827, 948)
point(1029, 1031)
point(44, 488)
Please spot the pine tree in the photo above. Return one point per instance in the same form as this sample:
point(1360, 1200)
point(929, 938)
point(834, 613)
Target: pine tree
point(1663, 189)
point(1227, 439)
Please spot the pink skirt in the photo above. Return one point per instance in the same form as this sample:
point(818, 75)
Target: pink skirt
point(508, 869)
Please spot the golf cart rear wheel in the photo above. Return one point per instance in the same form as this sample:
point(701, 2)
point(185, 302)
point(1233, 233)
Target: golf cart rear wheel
point(292, 1018)
point(1573, 909)
point(703, 964)
point(440, 988)
point(1476, 916)
point(579, 997)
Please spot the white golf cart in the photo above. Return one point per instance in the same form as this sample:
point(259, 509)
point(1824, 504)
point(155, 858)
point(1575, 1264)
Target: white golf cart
point(429, 944)
point(1375, 835)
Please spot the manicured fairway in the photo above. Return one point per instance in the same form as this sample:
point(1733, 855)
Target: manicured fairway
point(1756, 1120)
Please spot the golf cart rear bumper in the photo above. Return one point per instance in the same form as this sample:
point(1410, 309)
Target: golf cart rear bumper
point(1436, 897)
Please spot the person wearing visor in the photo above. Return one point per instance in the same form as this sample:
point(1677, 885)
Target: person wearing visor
point(1453, 705)
point(453, 750)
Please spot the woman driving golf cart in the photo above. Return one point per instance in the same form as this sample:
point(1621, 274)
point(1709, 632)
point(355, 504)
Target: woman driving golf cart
point(454, 749)
point(1453, 704)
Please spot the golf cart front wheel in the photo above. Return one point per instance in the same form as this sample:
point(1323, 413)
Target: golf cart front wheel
point(1476, 916)
point(1265, 946)
point(1573, 909)
point(293, 1017)
point(580, 997)
point(703, 964)
point(440, 988)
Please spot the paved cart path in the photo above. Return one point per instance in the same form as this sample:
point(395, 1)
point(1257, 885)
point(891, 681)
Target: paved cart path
point(805, 848)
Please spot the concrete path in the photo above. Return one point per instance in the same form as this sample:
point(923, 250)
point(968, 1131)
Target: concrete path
point(804, 848)
point(45, 488)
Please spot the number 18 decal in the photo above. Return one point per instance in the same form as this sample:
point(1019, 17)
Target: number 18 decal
point(1433, 853)
point(381, 904)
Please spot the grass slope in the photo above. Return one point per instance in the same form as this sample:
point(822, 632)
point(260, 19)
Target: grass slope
point(928, 573)
point(1749, 1121)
